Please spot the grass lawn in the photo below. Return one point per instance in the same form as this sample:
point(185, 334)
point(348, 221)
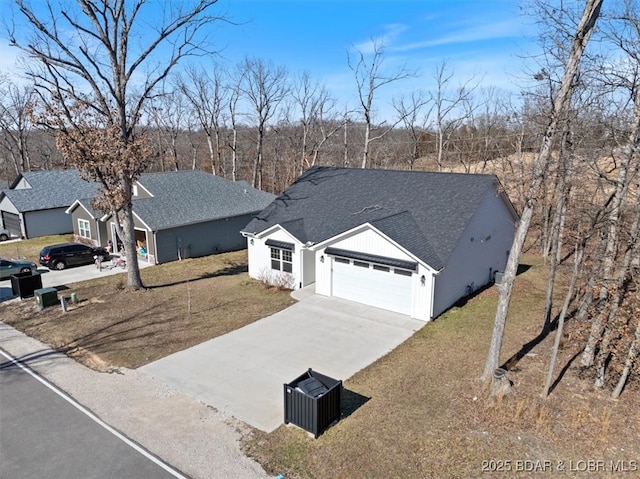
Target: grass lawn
point(185, 303)
point(418, 412)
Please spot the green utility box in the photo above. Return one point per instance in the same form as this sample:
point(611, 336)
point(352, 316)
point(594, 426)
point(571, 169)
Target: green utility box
point(46, 297)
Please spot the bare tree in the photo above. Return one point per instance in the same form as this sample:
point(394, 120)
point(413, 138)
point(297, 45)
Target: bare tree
point(448, 106)
point(264, 86)
point(370, 77)
point(561, 102)
point(613, 273)
point(172, 116)
point(316, 109)
point(410, 108)
point(107, 70)
point(16, 104)
point(209, 98)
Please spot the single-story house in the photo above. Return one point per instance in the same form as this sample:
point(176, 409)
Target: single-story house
point(177, 215)
point(35, 203)
point(406, 241)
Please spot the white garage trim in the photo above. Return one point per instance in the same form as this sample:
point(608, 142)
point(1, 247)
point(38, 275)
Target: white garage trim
point(374, 284)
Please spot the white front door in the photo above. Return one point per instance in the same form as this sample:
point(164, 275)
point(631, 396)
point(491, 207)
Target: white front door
point(381, 286)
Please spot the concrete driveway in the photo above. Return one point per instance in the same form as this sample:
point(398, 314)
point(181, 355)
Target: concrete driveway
point(242, 373)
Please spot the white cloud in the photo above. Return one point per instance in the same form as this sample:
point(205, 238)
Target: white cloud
point(475, 33)
point(391, 32)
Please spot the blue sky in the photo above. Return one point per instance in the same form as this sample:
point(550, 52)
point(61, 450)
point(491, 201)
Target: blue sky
point(486, 39)
point(482, 38)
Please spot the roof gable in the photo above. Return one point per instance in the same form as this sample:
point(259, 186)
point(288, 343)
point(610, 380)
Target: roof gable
point(49, 189)
point(425, 212)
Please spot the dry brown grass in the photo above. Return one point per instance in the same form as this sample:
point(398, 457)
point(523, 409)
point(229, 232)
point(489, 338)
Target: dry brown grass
point(422, 412)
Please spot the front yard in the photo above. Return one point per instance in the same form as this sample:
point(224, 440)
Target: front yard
point(185, 303)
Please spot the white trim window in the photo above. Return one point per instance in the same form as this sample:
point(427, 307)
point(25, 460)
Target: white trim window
point(281, 260)
point(84, 228)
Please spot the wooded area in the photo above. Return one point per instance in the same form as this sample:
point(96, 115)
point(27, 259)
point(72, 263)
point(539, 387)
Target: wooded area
point(258, 122)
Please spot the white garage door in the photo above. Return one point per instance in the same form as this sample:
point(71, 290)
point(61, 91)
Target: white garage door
point(376, 285)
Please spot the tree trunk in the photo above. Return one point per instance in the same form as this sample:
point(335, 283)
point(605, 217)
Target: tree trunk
point(618, 295)
point(134, 280)
point(560, 104)
point(234, 154)
point(365, 152)
point(632, 355)
point(579, 254)
point(562, 193)
point(212, 157)
point(613, 226)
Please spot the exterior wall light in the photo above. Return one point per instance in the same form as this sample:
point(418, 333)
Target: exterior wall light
point(251, 241)
point(423, 280)
point(322, 259)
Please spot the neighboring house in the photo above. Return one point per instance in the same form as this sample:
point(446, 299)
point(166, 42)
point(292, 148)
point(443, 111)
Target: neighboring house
point(35, 204)
point(178, 214)
point(405, 241)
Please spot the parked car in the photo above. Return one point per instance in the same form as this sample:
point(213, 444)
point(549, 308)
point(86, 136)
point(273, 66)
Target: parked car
point(60, 256)
point(9, 267)
point(4, 234)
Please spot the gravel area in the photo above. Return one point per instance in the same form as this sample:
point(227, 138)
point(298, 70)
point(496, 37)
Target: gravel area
point(195, 438)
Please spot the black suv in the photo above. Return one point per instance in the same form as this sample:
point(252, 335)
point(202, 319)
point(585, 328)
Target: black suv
point(59, 256)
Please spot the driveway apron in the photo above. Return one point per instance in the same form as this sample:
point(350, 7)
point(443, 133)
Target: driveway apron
point(242, 373)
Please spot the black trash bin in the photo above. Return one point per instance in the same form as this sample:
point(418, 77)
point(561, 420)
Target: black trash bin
point(312, 402)
point(24, 284)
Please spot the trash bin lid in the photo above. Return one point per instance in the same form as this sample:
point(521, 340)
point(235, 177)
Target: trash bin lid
point(312, 387)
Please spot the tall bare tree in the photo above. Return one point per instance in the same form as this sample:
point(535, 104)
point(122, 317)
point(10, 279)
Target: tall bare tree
point(316, 109)
point(208, 97)
point(579, 41)
point(448, 107)
point(624, 31)
point(411, 109)
point(264, 86)
point(108, 56)
point(370, 76)
point(16, 103)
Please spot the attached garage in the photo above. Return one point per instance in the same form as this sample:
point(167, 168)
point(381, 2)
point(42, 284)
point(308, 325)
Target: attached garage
point(378, 281)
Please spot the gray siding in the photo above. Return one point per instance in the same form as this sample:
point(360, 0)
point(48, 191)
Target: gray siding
point(202, 239)
point(98, 228)
point(47, 222)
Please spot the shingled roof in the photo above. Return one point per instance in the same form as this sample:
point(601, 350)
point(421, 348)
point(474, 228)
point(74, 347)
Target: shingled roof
point(191, 196)
point(424, 212)
point(49, 189)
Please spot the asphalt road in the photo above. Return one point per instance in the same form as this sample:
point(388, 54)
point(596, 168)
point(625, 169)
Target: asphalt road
point(44, 433)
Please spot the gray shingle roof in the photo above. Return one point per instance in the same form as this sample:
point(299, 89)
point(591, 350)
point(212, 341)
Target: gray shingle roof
point(191, 196)
point(50, 189)
point(425, 212)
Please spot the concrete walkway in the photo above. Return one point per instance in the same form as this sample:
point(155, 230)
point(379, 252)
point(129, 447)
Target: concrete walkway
point(242, 373)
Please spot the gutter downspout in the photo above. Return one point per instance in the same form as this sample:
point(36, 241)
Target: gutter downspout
point(433, 295)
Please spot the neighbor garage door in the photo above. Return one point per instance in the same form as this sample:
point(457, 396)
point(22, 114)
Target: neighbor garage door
point(11, 222)
point(382, 286)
